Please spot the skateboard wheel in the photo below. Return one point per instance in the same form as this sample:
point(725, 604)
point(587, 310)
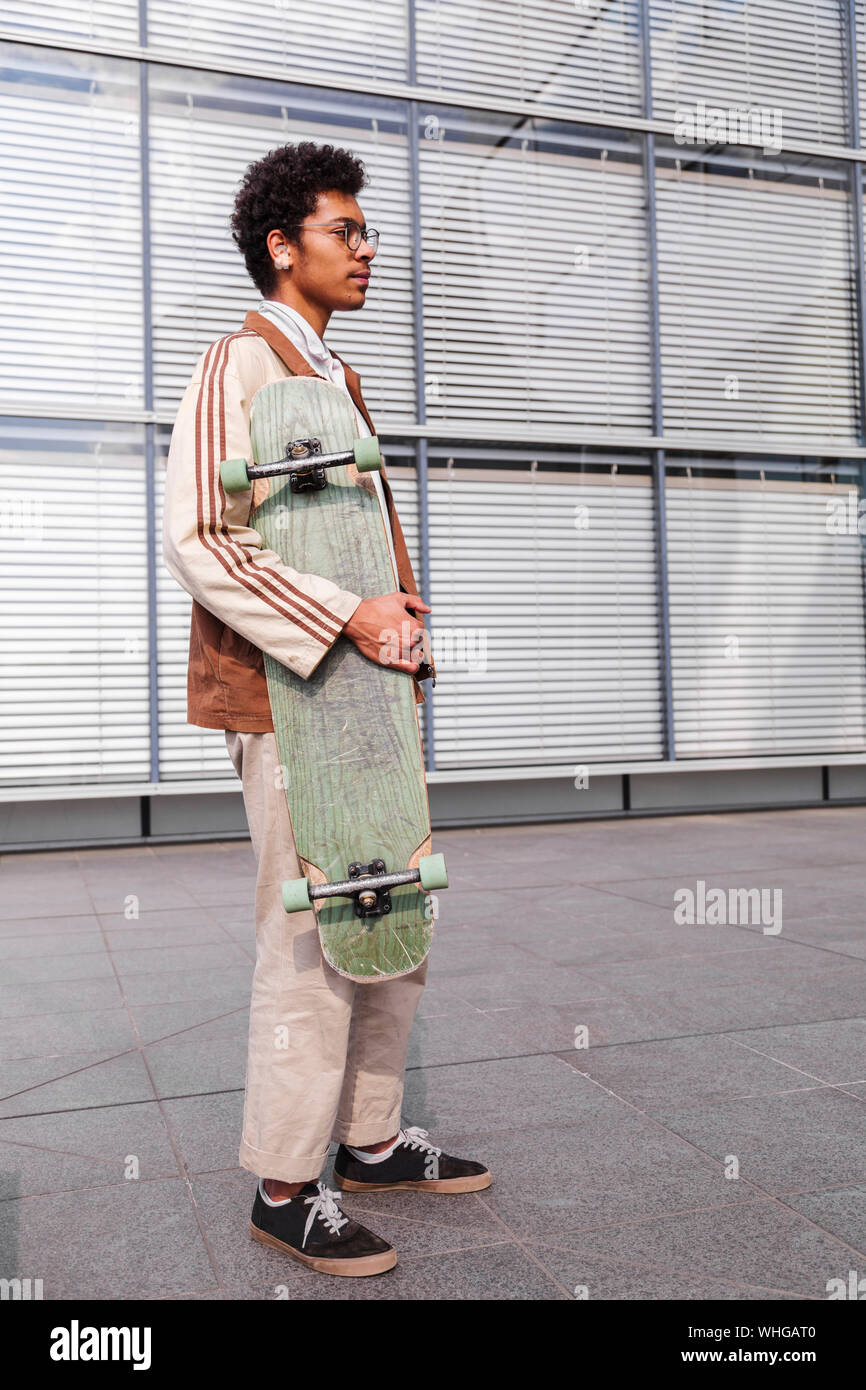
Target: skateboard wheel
point(433, 871)
point(233, 475)
point(368, 458)
point(296, 895)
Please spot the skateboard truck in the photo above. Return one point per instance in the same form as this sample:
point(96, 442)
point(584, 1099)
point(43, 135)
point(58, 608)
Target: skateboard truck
point(369, 884)
point(371, 900)
point(305, 464)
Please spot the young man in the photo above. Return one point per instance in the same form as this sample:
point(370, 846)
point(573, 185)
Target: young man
point(301, 232)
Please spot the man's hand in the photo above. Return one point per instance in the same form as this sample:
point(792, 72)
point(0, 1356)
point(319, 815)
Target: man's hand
point(386, 630)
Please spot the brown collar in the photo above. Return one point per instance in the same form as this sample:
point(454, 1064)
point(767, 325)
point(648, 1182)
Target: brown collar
point(297, 364)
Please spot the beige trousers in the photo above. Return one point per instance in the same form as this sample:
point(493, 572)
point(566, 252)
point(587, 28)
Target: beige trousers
point(326, 1056)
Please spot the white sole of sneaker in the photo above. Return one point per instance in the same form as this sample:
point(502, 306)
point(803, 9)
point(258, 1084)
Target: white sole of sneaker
point(476, 1183)
point(351, 1269)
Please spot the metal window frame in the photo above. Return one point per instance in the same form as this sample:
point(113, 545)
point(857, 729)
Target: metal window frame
point(421, 472)
point(150, 426)
point(401, 91)
point(856, 188)
point(658, 455)
point(852, 84)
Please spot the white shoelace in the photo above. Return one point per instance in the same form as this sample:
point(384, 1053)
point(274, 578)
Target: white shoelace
point(324, 1205)
point(416, 1138)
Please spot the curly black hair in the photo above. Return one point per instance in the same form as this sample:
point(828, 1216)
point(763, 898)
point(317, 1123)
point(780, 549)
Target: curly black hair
point(282, 189)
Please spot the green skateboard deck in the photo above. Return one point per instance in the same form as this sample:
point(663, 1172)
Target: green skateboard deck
point(348, 736)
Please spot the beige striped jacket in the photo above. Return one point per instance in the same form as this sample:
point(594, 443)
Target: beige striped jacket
point(246, 600)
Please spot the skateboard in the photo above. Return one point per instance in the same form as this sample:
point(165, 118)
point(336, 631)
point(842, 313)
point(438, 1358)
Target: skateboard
point(348, 736)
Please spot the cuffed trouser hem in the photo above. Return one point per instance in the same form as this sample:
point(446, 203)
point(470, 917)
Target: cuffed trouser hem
point(303, 1168)
point(359, 1135)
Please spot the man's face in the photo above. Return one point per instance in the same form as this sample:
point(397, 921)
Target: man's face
point(324, 270)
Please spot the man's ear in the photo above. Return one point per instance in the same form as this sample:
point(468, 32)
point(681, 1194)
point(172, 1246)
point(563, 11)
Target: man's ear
point(279, 249)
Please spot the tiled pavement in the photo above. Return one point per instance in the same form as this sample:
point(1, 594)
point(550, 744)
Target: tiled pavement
point(123, 1041)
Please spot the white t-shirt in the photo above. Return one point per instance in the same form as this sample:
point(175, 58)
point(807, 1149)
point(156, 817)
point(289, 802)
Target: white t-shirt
point(305, 338)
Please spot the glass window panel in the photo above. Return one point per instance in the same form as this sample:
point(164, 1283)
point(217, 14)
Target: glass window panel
point(73, 603)
point(534, 253)
point(109, 21)
point(757, 320)
point(582, 55)
point(767, 618)
point(544, 616)
point(71, 316)
point(204, 131)
point(735, 54)
point(367, 39)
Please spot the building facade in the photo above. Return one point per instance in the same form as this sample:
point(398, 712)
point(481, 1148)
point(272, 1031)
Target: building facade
point(614, 352)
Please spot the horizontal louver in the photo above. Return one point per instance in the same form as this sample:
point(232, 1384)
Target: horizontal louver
point(203, 134)
point(534, 286)
point(109, 21)
point(757, 324)
point(565, 53)
point(73, 604)
point(767, 621)
point(404, 486)
point(71, 315)
point(860, 21)
point(544, 618)
point(536, 324)
point(753, 54)
point(340, 39)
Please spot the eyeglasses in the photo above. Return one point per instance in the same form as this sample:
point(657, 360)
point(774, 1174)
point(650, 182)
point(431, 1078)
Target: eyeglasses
point(350, 230)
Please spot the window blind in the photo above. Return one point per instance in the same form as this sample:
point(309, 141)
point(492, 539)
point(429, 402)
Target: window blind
point(404, 487)
point(757, 322)
point(110, 21)
point(367, 39)
point(71, 315)
point(534, 282)
point(544, 617)
point(564, 53)
point(204, 132)
point(73, 603)
point(767, 620)
point(753, 53)
point(860, 45)
point(399, 462)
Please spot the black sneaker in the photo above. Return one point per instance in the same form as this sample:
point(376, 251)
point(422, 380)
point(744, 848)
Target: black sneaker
point(312, 1229)
point(416, 1164)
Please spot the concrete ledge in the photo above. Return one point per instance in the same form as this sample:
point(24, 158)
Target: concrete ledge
point(488, 803)
point(457, 776)
point(30, 823)
point(846, 782)
point(698, 790)
point(175, 815)
point(477, 797)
